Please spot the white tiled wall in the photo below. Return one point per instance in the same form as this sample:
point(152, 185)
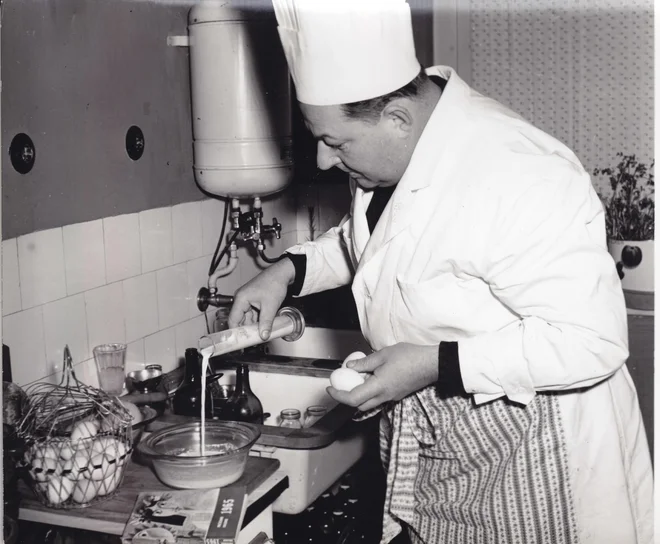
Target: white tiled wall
point(84, 256)
point(131, 278)
point(11, 294)
point(122, 247)
point(41, 268)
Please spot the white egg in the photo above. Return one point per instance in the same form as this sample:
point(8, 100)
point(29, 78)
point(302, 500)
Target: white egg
point(85, 490)
point(43, 468)
point(59, 489)
point(353, 356)
point(122, 453)
point(136, 415)
point(109, 484)
point(66, 449)
point(43, 452)
point(100, 467)
point(107, 445)
point(346, 379)
point(84, 429)
point(66, 468)
point(80, 465)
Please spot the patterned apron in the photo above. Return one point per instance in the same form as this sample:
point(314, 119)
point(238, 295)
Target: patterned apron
point(490, 474)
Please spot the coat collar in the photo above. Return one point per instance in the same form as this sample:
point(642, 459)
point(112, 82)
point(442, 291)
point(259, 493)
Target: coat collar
point(434, 146)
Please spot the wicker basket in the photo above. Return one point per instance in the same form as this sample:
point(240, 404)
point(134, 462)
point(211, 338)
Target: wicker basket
point(78, 441)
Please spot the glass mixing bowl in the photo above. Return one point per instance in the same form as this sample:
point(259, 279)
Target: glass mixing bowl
point(174, 453)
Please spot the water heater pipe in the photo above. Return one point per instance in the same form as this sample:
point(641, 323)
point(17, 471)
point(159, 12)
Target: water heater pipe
point(231, 265)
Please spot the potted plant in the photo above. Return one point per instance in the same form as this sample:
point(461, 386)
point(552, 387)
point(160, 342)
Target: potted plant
point(630, 222)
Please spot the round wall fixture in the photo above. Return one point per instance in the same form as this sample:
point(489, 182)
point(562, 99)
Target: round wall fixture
point(22, 153)
point(134, 142)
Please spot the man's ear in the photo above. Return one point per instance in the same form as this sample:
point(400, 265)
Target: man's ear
point(398, 117)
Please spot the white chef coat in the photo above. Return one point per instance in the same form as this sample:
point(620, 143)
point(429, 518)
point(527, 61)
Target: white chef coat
point(495, 238)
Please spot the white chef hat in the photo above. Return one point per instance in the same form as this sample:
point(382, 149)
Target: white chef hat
point(342, 51)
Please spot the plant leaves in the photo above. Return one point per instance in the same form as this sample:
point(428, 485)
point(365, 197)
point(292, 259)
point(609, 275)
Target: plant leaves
point(630, 210)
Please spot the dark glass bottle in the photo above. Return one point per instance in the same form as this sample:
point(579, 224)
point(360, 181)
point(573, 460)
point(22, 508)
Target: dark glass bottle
point(244, 405)
point(187, 400)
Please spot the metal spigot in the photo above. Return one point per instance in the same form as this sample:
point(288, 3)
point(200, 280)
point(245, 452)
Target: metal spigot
point(206, 298)
point(274, 228)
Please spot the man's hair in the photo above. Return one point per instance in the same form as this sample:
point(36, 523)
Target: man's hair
point(370, 110)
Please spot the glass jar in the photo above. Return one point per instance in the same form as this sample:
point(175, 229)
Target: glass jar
point(313, 414)
point(290, 417)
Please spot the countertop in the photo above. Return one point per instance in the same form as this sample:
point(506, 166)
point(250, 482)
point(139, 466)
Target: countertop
point(263, 480)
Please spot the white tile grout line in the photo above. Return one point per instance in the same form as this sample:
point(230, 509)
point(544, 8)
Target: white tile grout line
point(157, 292)
point(18, 266)
point(89, 343)
point(139, 239)
point(43, 334)
point(171, 238)
point(105, 257)
point(66, 289)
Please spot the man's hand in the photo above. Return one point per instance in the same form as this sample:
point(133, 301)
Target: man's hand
point(398, 371)
point(261, 298)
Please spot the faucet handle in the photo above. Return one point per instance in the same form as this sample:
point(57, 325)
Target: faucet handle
point(276, 227)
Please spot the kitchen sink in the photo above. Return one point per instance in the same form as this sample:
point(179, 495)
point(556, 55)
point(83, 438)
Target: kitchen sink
point(313, 458)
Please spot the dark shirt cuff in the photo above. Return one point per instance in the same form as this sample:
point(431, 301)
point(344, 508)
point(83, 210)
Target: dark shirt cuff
point(450, 383)
point(300, 265)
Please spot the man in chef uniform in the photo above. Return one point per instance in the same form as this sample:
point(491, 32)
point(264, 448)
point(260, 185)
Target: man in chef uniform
point(475, 246)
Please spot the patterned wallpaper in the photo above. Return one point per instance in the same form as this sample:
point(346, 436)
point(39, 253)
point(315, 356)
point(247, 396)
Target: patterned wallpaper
point(582, 70)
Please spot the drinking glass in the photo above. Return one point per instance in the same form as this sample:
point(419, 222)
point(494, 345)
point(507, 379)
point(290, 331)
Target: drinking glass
point(111, 364)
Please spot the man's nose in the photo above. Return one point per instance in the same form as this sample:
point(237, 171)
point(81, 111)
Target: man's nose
point(326, 157)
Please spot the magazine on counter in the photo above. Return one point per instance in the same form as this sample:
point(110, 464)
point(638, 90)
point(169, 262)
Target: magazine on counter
point(201, 516)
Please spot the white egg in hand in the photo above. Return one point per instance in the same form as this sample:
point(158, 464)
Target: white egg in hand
point(346, 379)
point(353, 356)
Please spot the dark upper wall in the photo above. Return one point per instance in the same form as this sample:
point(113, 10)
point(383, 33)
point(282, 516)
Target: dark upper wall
point(76, 74)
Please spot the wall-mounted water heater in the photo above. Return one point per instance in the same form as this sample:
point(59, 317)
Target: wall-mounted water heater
point(241, 120)
point(241, 99)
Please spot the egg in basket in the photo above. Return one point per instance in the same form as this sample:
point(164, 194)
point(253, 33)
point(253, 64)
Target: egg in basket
point(77, 441)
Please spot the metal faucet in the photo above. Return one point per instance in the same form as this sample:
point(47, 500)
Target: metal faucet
point(210, 297)
point(250, 224)
point(248, 227)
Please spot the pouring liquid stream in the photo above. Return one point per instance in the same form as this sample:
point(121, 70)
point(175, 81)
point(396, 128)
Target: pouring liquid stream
point(226, 343)
point(289, 321)
point(206, 356)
